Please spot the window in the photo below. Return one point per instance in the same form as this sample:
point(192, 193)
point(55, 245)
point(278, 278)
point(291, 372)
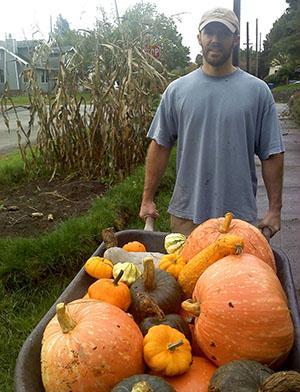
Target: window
point(45, 76)
point(1, 76)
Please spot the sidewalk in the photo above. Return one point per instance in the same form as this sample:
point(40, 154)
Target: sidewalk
point(288, 239)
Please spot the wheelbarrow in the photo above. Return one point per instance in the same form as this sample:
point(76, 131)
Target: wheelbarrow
point(27, 377)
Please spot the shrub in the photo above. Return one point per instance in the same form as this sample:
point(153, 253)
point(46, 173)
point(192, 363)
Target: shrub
point(294, 104)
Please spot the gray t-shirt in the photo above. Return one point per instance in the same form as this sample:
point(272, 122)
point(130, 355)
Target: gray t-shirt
point(219, 124)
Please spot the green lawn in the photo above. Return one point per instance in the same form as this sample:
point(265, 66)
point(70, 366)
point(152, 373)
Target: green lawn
point(24, 99)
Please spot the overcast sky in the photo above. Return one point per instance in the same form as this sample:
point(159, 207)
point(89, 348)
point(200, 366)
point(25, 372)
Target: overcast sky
point(31, 18)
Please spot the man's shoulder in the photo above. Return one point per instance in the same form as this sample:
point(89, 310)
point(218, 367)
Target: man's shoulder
point(182, 84)
point(251, 79)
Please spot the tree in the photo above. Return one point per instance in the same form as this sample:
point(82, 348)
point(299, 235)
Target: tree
point(61, 26)
point(145, 24)
point(283, 41)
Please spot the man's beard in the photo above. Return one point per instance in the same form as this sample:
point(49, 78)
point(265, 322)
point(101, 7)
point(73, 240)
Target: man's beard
point(220, 60)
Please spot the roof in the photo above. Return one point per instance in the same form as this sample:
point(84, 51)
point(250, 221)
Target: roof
point(14, 55)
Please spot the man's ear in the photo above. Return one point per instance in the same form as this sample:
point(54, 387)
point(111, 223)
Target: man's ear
point(199, 38)
point(236, 41)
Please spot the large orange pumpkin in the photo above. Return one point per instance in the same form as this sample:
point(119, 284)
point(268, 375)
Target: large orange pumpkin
point(196, 379)
point(254, 241)
point(243, 312)
point(86, 345)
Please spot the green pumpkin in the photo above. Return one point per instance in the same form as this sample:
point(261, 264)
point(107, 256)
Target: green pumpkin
point(157, 317)
point(252, 376)
point(162, 287)
point(143, 383)
point(239, 376)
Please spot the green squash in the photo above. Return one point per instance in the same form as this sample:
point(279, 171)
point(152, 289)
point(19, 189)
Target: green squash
point(162, 287)
point(157, 317)
point(151, 384)
point(252, 376)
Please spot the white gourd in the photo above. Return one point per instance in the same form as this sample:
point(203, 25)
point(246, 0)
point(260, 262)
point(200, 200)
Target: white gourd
point(118, 255)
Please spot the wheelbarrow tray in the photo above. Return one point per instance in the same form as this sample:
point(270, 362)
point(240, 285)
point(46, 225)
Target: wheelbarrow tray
point(27, 376)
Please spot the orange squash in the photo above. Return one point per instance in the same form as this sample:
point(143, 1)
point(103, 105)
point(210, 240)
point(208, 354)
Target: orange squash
point(167, 351)
point(172, 263)
point(85, 346)
point(242, 312)
point(111, 291)
point(134, 246)
point(196, 379)
point(99, 267)
point(206, 233)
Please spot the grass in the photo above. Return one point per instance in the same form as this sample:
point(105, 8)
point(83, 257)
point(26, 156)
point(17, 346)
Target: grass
point(11, 168)
point(36, 270)
point(23, 100)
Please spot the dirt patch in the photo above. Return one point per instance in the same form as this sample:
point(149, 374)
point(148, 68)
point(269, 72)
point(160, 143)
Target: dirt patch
point(34, 208)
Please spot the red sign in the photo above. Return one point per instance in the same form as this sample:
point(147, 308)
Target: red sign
point(154, 50)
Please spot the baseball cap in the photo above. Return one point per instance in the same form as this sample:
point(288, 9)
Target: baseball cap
point(221, 15)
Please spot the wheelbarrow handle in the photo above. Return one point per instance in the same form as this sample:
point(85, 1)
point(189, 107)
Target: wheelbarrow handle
point(149, 223)
point(267, 232)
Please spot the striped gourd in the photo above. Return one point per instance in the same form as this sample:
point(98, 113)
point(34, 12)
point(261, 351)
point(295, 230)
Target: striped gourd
point(174, 242)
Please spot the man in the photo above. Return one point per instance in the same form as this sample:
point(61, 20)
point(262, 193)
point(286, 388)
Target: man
point(220, 117)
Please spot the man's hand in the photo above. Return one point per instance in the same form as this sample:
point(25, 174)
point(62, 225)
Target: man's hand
point(148, 209)
point(271, 223)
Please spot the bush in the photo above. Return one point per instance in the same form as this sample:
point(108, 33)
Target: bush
point(294, 104)
point(285, 73)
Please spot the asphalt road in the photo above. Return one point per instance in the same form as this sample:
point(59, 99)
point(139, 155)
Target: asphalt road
point(9, 138)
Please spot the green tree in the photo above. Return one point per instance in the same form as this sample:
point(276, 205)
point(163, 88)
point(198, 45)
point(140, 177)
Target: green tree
point(61, 26)
point(283, 41)
point(145, 24)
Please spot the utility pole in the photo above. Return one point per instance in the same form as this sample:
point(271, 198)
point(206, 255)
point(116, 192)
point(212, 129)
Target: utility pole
point(256, 49)
point(236, 50)
point(247, 47)
point(117, 11)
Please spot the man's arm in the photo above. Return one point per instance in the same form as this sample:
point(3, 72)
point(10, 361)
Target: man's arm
point(156, 164)
point(272, 173)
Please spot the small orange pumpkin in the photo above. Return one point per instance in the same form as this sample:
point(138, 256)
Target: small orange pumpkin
point(111, 291)
point(99, 267)
point(172, 263)
point(134, 246)
point(167, 351)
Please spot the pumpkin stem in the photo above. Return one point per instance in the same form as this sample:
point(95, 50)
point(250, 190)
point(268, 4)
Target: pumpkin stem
point(238, 249)
point(67, 324)
point(109, 238)
point(142, 386)
point(118, 277)
point(192, 307)
point(148, 306)
point(224, 226)
point(173, 346)
point(288, 381)
point(149, 274)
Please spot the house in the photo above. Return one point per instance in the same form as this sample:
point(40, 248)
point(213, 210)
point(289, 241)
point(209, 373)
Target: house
point(16, 58)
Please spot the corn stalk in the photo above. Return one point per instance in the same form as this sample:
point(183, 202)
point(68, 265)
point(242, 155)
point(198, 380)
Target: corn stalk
point(106, 136)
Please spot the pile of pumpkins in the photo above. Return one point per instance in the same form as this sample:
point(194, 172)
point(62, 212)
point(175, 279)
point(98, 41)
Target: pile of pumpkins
point(208, 315)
